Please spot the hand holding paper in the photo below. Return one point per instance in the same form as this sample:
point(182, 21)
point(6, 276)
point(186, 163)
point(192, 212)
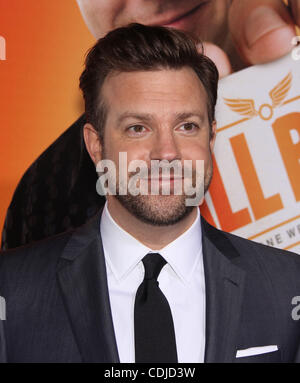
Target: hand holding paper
point(261, 31)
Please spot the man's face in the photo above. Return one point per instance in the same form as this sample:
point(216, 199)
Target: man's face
point(205, 19)
point(156, 115)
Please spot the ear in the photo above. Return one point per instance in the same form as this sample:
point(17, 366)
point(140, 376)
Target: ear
point(92, 143)
point(213, 135)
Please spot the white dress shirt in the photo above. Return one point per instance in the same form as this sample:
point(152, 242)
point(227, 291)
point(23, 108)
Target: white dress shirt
point(181, 280)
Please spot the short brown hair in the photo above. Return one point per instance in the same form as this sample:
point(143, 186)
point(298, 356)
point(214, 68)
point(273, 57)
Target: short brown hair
point(140, 48)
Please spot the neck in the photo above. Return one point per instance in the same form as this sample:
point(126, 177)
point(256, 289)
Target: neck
point(154, 237)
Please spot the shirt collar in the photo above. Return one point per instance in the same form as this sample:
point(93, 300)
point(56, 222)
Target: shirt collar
point(123, 252)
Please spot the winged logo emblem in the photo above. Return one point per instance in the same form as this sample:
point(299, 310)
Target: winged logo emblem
point(246, 107)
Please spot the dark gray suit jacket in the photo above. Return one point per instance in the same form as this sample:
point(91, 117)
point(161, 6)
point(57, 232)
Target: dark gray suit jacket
point(58, 310)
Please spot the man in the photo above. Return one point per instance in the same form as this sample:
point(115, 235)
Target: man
point(147, 279)
point(48, 199)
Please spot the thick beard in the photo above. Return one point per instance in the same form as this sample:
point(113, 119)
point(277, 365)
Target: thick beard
point(160, 210)
point(157, 210)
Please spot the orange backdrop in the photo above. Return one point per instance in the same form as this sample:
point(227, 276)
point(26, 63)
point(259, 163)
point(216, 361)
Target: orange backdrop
point(45, 46)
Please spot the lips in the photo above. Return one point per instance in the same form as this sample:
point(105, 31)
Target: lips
point(179, 20)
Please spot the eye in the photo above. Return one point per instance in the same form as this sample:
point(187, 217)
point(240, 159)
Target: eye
point(136, 129)
point(188, 127)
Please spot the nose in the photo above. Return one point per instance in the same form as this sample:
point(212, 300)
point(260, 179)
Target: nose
point(165, 147)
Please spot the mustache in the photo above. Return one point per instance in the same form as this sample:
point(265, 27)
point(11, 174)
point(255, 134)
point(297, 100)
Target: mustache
point(158, 169)
point(174, 172)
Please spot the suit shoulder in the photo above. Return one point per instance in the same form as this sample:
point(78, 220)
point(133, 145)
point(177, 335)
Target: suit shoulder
point(29, 272)
point(254, 252)
point(39, 254)
point(264, 250)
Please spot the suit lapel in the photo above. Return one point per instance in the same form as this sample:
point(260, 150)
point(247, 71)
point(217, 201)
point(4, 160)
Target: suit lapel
point(224, 283)
point(83, 282)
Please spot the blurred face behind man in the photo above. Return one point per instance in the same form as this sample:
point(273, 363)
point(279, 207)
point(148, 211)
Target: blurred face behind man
point(236, 33)
point(205, 19)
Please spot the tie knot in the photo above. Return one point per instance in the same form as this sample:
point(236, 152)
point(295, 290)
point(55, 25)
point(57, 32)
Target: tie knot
point(153, 263)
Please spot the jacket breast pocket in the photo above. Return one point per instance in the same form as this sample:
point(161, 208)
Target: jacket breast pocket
point(268, 357)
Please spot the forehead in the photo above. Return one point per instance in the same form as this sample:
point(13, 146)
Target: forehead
point(153, 90)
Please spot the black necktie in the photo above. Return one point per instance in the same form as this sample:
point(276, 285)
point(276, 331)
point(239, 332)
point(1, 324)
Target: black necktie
point(153, 324)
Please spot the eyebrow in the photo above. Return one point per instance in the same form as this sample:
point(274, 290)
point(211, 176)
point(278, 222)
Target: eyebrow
point(138, 116)
point(185, 115)
point(147, 117)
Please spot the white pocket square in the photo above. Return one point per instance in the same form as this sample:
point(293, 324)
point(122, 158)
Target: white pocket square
point(255, 351)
